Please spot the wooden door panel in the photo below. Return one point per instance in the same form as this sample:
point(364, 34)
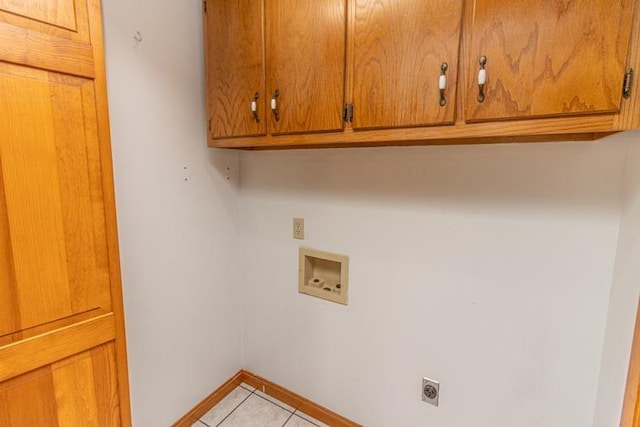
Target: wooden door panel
point(10, 318)
point(49, 347)
point(26, 400)
point(55, 12)
point(235, 67)
point(62, 349)
point(78, 165)
point(548, 58)
point(52, 198)
point(74, 391)
point(30, 38)
point(28, 162)
point(105, 377)
point(306, 64)
point(400, 46)
point(78, 391)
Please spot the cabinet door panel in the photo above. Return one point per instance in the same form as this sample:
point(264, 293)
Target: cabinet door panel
point(547, 58)
point(400, 46)
point(306, 64)
point(235, 67)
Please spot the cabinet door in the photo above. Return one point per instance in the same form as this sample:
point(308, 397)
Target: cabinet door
point(235, 68)
point(306, 64)
point(400, 48)
point(547, 58)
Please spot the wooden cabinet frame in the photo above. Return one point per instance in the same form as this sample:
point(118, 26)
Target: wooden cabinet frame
point(577, 128)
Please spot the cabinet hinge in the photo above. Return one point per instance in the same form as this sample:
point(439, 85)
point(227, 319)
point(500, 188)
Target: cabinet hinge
point(347, 113)
point(209, 125)
point(205, 6)
point(628, 83)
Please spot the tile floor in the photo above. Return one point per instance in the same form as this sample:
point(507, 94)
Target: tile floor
point(247, 407)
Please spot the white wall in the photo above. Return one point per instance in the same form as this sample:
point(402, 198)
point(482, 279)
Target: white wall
point(178, 237)
point(487, 268)
point(624, 297)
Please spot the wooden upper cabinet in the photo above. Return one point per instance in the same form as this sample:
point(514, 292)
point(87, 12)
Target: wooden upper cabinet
point(235, 68)
point(306, 64)
point(553, 70)
point(547, 58)
point(401, 50)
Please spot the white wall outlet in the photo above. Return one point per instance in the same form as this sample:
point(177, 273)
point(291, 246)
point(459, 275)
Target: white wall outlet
point(430, 391)
point(298, 228)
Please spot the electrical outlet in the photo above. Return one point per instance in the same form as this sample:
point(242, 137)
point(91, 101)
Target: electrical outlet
point(430, 391)
point(298, 228)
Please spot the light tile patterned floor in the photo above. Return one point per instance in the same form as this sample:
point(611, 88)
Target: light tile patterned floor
point(247, 407)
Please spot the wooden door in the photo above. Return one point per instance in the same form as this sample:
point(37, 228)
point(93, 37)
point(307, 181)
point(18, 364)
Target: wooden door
point(62, 348)
point(547, 58)
point(402, 48)
point(235, 68)
point(306, 64)
point(631, 403)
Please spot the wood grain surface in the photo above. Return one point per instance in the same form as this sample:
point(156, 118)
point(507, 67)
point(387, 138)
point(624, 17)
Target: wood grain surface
point(79, 390)
point(107, 204)
point(60, 13)
point(400, 46)
point(547, 58)
point(235, 67)
point(56, 227)
point(35, 38)
point(51, 346)
point(631, 403)
point(546, 116)
point(629, 117)
point(306, 64)
point(62, 342)
point(461, 132)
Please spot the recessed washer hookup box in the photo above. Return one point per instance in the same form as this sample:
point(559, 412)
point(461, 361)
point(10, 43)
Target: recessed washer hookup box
point(324, 275)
